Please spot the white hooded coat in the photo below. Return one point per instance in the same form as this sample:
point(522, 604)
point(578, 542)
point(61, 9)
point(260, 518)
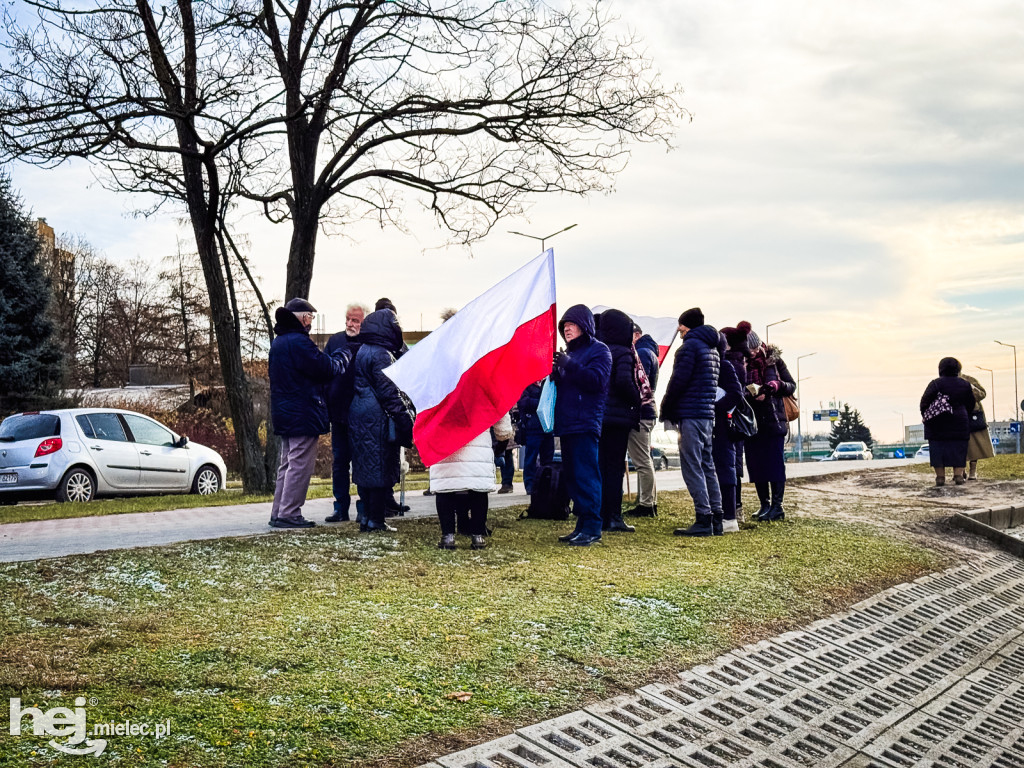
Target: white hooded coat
point(471, 468)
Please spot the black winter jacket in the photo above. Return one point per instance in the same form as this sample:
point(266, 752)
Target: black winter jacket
point(527, 406)
point(583, 380)
point(375, 461)
point(730, 383)
point(949, 426)
point(341, 389)
point(623, 406)
point(299, 372)
point(692, 386)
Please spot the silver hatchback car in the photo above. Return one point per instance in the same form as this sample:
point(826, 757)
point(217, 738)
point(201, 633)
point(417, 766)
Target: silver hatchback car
point(79, 453)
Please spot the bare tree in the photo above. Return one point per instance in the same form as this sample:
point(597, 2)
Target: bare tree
point(161, 98)
point(469, 106)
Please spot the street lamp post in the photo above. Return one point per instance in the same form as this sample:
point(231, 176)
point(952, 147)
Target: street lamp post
point(777, 322)
point(992, 389)
point(800, 419)
point(542, 239)
point(1016, 394)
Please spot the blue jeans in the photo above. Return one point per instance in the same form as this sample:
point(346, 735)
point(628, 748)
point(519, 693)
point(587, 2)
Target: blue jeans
point(340, 477)
point(697, 465)
point(583, 480)
point(508, 467)
point(540, 449)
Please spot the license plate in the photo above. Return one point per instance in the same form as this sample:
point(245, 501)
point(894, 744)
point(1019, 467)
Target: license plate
point(8, 478)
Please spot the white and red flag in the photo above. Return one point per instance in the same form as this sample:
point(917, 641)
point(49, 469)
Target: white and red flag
point(468, 373)
point(662, 329)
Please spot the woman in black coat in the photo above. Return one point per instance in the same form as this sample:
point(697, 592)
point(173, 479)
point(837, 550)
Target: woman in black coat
point(947, 426)
point(375, 459)
point(621, 416)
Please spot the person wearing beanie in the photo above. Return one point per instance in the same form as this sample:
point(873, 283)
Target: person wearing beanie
point(768, 382)
point(299, 372)
point(621, 416)
point(689, 406)
point(736, 354)
point(723, 447)
point(946, 406)
point(582, 374)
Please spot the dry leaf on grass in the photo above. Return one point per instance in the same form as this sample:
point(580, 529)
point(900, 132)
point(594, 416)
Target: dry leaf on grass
point(460, 695)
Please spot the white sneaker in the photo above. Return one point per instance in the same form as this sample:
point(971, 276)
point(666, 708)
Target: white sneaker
point(730, 526)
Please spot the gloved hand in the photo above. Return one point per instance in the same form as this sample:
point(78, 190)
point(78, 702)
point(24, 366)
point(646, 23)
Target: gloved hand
point(772, 387)
point(560, 359)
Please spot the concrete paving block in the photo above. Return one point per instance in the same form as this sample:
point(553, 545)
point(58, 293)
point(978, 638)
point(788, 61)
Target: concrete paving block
point(586, 741)
point(860, 760)
point(995, 715)
point(506, 752)
point(1000, 518)
point(923, 741)
point(656, 720)
point(1017, 518)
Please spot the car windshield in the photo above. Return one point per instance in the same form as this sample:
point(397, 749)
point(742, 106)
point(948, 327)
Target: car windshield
point(848, 448)
point(29, 426)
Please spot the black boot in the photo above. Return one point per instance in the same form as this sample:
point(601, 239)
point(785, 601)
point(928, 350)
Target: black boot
point(702, 527)
point(776, 512)
point(764, 496)
point(716, 523)
point(361, 514)
point(618, 524)
point(641, 510)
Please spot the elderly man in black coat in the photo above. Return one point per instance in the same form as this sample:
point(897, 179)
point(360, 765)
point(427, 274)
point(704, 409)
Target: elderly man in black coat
point(299, 372)
point(689, 404)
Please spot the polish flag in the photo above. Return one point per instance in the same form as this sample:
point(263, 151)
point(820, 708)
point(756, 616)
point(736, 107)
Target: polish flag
point(468, 373)
point(662, 329)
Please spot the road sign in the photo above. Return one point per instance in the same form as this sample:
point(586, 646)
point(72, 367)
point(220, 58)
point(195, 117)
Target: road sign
point(833, 413)
point(995, 441)
point(817, 416)
point(898, 454)
point(1014, 427)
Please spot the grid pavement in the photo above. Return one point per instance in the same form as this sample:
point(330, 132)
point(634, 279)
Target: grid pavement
point(929, 673)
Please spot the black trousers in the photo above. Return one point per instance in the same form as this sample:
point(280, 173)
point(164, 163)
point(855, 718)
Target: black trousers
point(473, 503)
point(611, 458)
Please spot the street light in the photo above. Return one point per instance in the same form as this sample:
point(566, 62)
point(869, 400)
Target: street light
point(903, 433)
point(992, 389)
point(777, 322)
point(542, 239)
point(1016, 395)
point(800, 418)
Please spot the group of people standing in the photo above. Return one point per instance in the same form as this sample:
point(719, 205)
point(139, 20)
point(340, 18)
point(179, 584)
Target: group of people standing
point(954, 423)
point(341, 390)
point(605, 407)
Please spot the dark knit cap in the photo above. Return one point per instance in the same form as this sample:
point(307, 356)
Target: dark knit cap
point(692, 318)
point(299, 305)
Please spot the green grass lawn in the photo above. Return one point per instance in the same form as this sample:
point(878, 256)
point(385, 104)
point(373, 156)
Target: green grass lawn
point(328, 648)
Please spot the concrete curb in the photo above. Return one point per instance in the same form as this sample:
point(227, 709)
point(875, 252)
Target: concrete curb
point(992, 523)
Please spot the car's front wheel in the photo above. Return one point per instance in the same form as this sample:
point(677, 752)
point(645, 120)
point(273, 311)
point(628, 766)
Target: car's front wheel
point(206, 481)
point(78, 484)
point(664, 462)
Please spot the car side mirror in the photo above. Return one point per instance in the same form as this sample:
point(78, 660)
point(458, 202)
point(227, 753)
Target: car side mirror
point(181, 442)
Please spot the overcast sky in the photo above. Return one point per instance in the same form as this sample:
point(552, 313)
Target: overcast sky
point(853, 166)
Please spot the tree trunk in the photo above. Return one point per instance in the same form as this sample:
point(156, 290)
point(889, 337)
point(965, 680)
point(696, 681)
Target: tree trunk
point(302, 252)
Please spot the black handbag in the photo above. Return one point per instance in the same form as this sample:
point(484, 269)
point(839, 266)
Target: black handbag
point(741, 423)
point(977, 422)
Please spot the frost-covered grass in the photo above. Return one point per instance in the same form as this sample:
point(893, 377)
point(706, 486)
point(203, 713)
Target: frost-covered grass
point(1006, 466)
point(327, 647)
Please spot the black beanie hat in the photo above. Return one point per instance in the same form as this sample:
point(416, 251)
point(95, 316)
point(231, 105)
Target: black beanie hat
point(692, 318)
point(384, 303)
point(949, 366)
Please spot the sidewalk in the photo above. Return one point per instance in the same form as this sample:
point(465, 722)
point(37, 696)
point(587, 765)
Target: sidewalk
point(929, 673)
point(79, 536)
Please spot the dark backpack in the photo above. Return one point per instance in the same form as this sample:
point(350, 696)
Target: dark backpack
point(550, 499)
